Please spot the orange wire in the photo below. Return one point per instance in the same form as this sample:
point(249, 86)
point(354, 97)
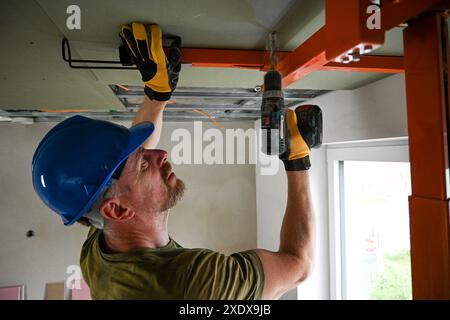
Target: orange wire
point(200, 111)
point(122, 87)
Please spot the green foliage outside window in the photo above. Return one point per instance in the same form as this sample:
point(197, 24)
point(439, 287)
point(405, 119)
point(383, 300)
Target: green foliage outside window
point(395, 282)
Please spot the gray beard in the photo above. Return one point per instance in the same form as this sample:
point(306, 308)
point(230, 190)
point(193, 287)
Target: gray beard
point(175, 194)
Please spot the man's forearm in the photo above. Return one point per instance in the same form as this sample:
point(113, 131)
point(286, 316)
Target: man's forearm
point(298, 228)
point(151, 110)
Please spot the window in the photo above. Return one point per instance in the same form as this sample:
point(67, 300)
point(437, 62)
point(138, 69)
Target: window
point(369, 221)
point(375, 244)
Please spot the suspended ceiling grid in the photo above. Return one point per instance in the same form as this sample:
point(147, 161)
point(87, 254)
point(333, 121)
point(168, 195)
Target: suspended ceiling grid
point(33, 75)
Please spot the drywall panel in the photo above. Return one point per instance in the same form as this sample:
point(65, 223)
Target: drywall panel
point(337, 80)
point(207, 24)
point(232, 24)
point(301, 21)
point(12, 293)
point(32, 72)
point(393, 45)
point(217, 212)
point(55, 291)
point(203, 23)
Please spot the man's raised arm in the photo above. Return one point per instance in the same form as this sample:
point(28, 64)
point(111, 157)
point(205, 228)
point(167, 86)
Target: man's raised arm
point(287, 268)
point(151, 110)
point(159, 73)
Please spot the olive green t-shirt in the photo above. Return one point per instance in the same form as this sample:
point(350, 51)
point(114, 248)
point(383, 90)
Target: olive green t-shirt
point(170, 272)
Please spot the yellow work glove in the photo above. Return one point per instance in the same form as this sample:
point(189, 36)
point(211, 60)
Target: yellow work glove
point(159, 73)
point(305, 132)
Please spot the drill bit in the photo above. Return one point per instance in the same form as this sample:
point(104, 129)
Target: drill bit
point(272, 47)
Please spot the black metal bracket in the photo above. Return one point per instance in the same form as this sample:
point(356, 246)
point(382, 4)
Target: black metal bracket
point(125, 59)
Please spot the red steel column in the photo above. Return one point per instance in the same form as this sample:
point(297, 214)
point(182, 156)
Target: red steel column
point(426, 56)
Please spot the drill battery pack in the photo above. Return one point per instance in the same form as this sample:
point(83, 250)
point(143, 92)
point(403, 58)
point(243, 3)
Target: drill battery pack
point(309, 123)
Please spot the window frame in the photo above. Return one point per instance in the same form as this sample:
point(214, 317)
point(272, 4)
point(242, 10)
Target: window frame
point(381, 151)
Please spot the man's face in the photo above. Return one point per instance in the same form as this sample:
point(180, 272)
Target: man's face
point(149, 182)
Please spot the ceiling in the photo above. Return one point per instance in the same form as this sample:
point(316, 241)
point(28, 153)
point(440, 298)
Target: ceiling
point(34, 76)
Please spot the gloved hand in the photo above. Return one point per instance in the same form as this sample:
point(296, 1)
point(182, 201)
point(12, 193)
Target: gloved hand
point(160, 73)
point(305, 132)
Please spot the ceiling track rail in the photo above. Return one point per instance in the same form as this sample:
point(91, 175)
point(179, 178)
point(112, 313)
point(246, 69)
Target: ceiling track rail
point(222, 101)
point(187, 104)
point(30, 117)
point(124, 91)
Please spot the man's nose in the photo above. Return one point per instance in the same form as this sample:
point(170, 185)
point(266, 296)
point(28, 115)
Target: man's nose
point(160, 157)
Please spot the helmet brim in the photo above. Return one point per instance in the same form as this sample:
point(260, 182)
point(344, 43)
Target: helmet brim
point(138, 135)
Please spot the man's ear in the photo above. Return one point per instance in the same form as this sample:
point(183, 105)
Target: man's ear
point(112, 210)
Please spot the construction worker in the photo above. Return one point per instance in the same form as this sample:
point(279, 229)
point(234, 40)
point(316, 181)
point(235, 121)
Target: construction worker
point(115, 180)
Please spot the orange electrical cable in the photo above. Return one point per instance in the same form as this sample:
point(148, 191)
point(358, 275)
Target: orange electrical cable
point(200, 111)
point(122, 87)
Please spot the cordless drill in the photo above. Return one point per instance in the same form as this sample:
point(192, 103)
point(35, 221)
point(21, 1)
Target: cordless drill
point(274, 119)
point(274, 125)
point(273, 115)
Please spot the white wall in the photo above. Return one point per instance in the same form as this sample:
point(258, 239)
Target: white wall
point(376, 111)
point(218, 211)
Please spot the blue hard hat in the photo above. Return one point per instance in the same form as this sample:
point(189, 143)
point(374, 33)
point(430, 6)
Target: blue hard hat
point(76, 160)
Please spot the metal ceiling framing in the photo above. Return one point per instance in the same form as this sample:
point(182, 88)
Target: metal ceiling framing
point(228, 100)
point(223, 104)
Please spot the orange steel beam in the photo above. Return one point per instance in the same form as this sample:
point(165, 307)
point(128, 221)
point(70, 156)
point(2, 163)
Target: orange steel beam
point(426, 47)
point(308, 57)
point(383, 64)
point(253, 59)
point(257, 59)
point(346, 30)
point(346, 27)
